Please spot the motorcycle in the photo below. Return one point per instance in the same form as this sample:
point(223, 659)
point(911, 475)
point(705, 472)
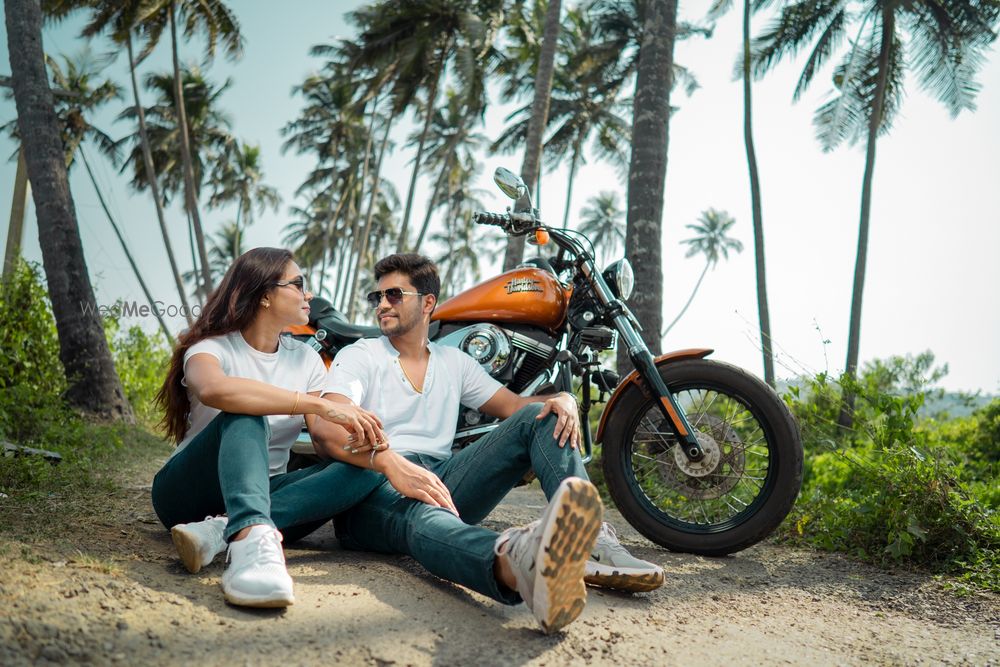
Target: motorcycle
point(699, 456)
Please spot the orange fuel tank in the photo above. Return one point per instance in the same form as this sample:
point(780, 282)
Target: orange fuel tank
point(521, 296)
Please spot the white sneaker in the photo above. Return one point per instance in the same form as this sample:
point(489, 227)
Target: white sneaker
point(548, 556)
point(256, 576)
point(611, 566)
point(199, 542)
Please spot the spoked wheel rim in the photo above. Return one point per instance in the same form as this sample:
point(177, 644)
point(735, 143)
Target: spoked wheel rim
point(723, 490)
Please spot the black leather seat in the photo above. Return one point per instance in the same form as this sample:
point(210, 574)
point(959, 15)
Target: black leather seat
point(323, 315)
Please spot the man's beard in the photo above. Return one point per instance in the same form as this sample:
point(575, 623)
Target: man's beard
point(397, 327)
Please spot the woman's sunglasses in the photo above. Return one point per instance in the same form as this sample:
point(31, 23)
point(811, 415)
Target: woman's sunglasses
point(393, 295)
point(298, 283)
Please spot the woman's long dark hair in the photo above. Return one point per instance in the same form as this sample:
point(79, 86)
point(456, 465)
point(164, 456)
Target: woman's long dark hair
point(231, 307)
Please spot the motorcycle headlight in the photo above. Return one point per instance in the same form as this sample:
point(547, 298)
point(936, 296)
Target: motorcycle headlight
point(620, 278)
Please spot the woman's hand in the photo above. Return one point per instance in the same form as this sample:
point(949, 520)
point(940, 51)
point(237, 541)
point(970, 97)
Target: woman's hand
point(365, 428)
point(414, 481)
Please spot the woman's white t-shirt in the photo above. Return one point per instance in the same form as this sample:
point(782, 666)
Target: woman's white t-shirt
point(295, 366)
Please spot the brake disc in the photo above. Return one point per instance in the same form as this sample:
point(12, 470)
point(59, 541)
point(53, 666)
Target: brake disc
point(720, 469)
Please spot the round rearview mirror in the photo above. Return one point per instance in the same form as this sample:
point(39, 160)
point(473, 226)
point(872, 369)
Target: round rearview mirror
point(509, 183)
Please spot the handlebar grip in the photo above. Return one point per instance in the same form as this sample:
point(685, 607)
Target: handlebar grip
point(487, 218)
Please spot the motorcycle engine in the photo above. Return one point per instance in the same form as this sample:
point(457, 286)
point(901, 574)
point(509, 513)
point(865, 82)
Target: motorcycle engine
point(486, 343)
point(518, 357)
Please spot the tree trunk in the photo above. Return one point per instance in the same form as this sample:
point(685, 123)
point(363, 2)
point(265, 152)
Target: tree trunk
point(128, 255)
point(648, 170)
point(354, 260)
point(190, 196)
point(328, 231)
point(569, 188)
point(530, 167)
point(236, 231)
point(94, 386)
point(763, 313)
point(690, 299)
point(15, 230)
point(846, 419)
point(332, 244)
point(347, 255)
point(372, 196)
point(154, 187)
point(431, 98)
point(438, 184)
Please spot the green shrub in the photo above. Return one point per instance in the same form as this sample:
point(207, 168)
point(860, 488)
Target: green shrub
point(34, 414)
point(897, 488)
point(141, 360)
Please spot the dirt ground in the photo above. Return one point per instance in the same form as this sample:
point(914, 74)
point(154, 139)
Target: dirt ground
point(114, 593)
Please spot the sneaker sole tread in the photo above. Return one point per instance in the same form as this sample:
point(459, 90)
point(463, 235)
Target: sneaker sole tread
point(566, 545)
point(633, 583)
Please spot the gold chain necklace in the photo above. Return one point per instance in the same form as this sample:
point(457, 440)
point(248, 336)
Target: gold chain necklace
point(407, 376)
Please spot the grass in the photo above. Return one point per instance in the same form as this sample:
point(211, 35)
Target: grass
point(51, 502)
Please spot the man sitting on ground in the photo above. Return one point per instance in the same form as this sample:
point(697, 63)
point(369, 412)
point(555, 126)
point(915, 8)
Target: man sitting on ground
point(431, 500)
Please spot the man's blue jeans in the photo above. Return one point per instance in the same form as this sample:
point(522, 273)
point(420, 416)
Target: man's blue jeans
point(224, 470)
point(478, 478)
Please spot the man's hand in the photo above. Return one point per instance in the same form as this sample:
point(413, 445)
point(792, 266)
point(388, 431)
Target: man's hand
point(413, 481)
point(568, 425)
point(365, 428)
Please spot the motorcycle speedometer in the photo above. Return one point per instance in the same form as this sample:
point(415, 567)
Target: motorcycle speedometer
point(620, 278)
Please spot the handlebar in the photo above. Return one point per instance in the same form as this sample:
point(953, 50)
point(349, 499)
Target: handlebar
point(501, 220)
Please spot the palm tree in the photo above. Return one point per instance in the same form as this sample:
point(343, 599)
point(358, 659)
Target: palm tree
point(307, 233)
point(648, 166)
point(238, 177)
point(219, 26)
point(83, 350)
point(120, 18)
point(208, 138)
point(208, 128)
point(544, 72)
point(331, 127)
point(944, 41)
point(763, 313)
point(585, 100)
point(602, 222)
point(79, 77)
point(461, 238)
point(414, 41)
point(712, 242)
point(451, 143)
point(225, 248)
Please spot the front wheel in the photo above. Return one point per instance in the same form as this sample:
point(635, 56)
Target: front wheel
point(737, 494)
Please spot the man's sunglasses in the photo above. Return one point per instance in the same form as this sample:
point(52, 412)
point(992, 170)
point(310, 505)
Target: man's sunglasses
point(298, 283)
point(393, 295)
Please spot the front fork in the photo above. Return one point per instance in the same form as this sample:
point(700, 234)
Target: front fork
point(672, 412)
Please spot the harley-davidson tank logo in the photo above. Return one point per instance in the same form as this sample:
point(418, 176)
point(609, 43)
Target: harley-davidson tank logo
point(515, 285)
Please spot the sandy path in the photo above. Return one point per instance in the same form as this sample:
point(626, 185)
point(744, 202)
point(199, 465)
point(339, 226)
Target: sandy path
point(116, 595)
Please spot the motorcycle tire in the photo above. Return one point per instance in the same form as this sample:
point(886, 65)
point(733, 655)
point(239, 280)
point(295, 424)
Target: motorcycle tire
point(743, 488)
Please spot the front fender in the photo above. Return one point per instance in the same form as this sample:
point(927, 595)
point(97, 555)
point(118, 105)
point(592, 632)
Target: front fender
point(633, 378)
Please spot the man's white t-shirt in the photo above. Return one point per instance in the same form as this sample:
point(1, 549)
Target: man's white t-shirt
point(295, 366)
point(368, 372)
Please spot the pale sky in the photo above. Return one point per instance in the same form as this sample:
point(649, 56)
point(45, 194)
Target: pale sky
point(935, 226)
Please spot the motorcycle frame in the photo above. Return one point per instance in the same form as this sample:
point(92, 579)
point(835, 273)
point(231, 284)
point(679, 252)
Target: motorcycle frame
point(628, 328)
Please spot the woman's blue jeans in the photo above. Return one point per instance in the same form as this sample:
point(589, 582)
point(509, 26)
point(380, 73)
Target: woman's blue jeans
point(478, 477)
point(224, 470)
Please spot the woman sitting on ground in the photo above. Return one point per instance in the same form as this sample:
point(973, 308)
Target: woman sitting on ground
point(235, 397)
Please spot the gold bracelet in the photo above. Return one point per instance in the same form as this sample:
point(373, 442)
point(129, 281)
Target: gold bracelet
point(296, 403)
